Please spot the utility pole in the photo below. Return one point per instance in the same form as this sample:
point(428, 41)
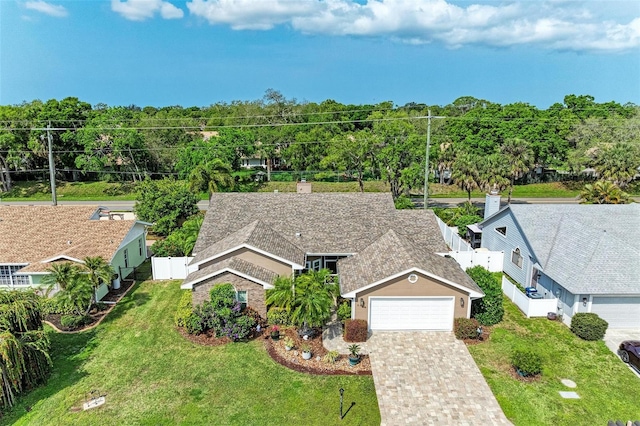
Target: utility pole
point(52, 167)
point(425, 203)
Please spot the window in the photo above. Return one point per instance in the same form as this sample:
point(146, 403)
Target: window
point(241, 296)
point(126, 258)
point(502, 230)
point(8, 277)
point(516, 258)
point(140, 246)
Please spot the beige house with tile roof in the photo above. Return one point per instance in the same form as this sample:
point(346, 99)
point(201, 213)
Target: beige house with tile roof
point(386, 259)
point(36, 237)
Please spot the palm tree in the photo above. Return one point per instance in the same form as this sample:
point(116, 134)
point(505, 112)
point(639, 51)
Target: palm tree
point(313, 298)
point(282, 295)
point(60, 276)
point(603, 192)
point(519, 156)
point(213, 176)
point(189, 232)
point(465, 168)
point(99, 271)
point(24, 346)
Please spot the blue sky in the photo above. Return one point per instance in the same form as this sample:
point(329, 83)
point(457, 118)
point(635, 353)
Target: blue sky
point(199, 52)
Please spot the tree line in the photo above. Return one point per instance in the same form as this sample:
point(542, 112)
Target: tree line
point(475, 143)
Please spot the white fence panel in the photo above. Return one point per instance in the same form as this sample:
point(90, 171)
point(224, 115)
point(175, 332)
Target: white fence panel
point(530, 307)
point(170, 268)
point(490, 260)
point(452, 238)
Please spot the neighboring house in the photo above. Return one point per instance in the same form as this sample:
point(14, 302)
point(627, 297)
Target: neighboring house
point(36, 237)
point(385, 258)
point(588, 256)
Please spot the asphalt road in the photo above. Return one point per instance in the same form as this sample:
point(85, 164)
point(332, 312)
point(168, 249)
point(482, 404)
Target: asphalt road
point(433, 202)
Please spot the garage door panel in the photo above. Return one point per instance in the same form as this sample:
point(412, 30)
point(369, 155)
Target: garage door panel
point(411, 313)
point(619, 312)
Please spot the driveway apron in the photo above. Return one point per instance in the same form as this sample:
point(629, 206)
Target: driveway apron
point(429, 378)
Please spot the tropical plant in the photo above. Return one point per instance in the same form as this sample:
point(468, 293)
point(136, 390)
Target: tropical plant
point(305, 347)
point(354, 350)
point(465, 173)
point(331, 357)
point(99, 272)
point(519, 157)
point(24, 346)
point(75, 291)
point(288, 342)
point(212, 176)
point(603, 192)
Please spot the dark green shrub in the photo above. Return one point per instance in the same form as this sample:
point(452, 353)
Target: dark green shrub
point(257, 318)
point(465, 328)
point(74, 321)
point(222, 296)
point(403, 202)
point(344, 311)
point(184, 309)
point(240, 328)
point(487, 310)
point(462, 222)
point(527, 362)
point(209, 319)
point(278, 316)
point(355, 330)
point(589, 326)
point(193, 324)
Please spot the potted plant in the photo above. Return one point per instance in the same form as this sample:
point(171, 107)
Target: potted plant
point(306, 351)
point(354, 354)
point(275, 332)
point(288, 343)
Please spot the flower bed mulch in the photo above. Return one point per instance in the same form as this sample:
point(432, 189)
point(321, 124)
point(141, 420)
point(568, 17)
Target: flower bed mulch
point(95, 315)
point(293, 359)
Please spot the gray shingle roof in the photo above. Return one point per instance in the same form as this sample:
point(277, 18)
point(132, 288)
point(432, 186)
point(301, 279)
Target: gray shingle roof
point(589, 249)
point(239, 265)
point(327, 222)
point(391, 254)
point(256, 234)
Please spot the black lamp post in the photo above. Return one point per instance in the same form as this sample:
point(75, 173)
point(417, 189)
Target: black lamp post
point(341, 394)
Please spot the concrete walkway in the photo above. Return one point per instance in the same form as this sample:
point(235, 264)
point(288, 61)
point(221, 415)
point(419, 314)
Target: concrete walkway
point(429, 378)
point(614, 337)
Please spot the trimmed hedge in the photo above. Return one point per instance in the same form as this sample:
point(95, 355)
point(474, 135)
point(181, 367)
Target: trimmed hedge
point(489, 309)
point(355, 330)
point(466, 328)
point(527, 362)
point(589, 326)
point(185, 308)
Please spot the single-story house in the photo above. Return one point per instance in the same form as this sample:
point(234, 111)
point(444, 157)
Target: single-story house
point(385, 258)
point(36, 237)
point(587, 256)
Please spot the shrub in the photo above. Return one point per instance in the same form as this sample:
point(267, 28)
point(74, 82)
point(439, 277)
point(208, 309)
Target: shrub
point(465, 328)
point(278, 316)
point(331, 357)
point(344, 311)
point(588, 326)
point(487, 310)
point(222, 296)
point(193, 324)
point(527, 362)
point(209, 320)
point(257, 318)
point(355, 330)
point(403, 202)
point(74, 321)
point(239, 328)
point(53, 305)
point(184, 309)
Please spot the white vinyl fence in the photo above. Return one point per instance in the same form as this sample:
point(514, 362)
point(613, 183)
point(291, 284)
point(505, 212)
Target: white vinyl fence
point(452, 238)
point(170, 268)
point(490, 260)
point(530, 307)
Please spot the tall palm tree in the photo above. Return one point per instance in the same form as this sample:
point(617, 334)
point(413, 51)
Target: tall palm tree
point(519, 156)
point(99, 272)
point(213, 176)
point(189, 231)
point(603, 192)
point(465, 168)
point(282, 295)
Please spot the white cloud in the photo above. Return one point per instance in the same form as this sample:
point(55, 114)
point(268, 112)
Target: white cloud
point(139, 10)
point(551, 24)
point(47, 8)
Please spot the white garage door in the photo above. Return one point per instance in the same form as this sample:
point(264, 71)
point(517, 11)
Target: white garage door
point(619, 312)
point(411, 313)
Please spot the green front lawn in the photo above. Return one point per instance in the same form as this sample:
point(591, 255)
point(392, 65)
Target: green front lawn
point(607, 389)
point(152, 375)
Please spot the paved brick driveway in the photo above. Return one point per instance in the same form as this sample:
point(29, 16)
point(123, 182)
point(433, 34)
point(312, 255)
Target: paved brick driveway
point(429, 378)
